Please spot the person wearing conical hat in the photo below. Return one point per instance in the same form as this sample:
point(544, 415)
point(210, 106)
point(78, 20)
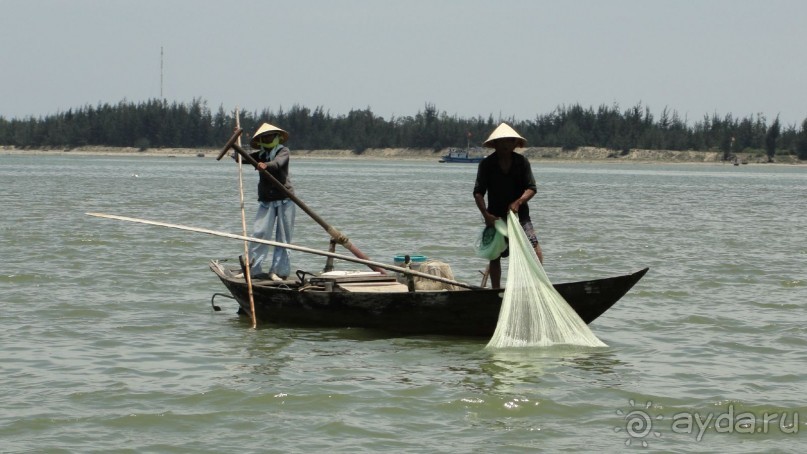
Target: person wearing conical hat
point(506, 178)
point(274, 219)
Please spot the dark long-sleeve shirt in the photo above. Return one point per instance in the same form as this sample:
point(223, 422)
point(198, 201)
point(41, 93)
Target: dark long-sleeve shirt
point(501, 188)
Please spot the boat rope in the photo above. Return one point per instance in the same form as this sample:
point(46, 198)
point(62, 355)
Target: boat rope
point(339, 237)
point(213, 300)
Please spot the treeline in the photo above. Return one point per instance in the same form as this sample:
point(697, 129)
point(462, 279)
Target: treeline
point(159, 124)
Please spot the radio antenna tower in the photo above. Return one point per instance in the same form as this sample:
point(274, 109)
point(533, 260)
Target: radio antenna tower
point(161, 73)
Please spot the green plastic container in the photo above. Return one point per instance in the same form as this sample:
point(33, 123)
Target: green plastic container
point(414, 260)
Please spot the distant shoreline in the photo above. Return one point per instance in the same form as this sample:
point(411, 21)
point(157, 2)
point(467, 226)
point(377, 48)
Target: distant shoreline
point(582, 154)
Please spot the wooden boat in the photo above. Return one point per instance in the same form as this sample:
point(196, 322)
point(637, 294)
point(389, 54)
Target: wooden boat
point(460, 155)
point(374, 301)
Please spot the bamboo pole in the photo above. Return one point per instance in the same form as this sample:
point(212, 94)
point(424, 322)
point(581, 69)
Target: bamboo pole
point(294, 247)
point(485, 275)
point(248, 266)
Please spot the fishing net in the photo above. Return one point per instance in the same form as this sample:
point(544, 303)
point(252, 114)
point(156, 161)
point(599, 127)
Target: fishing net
point(533, 313)
point(435, 268)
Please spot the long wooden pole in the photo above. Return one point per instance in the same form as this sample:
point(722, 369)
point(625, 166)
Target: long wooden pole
point(333, 232)
point(294, 247)
point(247, 260)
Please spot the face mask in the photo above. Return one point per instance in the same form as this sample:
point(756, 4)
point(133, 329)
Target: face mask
point(271, 144)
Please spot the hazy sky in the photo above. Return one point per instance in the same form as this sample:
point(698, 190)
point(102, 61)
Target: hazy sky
point(471, 58)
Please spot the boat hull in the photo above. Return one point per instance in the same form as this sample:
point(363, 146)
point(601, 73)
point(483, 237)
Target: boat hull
point(461, 160)
point(455, 313)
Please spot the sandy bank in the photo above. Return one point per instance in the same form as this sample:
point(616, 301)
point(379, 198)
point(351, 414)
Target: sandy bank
point(582, 154)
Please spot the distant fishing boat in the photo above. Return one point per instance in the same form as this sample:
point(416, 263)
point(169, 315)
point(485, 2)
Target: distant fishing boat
point(460, 155)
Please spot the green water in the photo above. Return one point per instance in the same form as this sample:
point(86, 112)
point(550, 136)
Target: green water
point(109, 342)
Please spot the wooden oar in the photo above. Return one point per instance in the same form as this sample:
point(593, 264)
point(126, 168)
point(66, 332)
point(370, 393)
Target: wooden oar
point(335, 234)
point(247, 260)
point(294, 247)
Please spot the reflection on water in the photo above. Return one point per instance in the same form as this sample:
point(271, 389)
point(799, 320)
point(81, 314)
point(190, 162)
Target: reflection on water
point(512, 368)
point(262, 355)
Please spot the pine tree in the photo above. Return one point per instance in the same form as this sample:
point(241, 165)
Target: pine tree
point(770, 139)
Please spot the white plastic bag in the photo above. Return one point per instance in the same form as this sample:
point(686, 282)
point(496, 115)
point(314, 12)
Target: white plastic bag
point(491, 242)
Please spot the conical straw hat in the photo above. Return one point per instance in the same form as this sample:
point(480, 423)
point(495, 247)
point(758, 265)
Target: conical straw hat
point(267, 128)
point(504, 131)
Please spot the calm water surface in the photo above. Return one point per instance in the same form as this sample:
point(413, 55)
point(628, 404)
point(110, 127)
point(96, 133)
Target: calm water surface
point(109, 342)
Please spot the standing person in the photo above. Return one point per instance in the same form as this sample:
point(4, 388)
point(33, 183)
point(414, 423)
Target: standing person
point(507, 178)
point(275, 210)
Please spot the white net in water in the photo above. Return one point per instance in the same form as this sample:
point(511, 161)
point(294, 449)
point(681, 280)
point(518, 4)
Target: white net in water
point(533, 313)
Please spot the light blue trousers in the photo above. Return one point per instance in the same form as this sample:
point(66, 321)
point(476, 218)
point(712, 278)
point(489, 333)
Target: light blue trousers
point(276, 216)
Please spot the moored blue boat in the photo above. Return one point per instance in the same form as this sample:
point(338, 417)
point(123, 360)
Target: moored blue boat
point(460, 155)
